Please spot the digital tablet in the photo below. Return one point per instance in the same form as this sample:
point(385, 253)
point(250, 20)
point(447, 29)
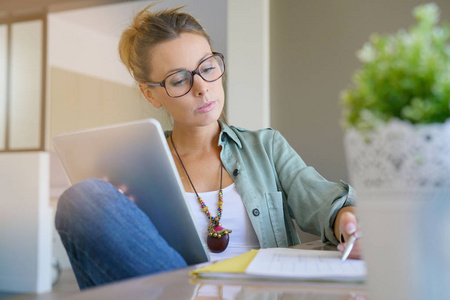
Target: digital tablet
point(136, 155)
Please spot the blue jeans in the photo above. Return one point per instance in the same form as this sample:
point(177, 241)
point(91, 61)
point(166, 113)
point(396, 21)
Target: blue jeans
point(108, 238)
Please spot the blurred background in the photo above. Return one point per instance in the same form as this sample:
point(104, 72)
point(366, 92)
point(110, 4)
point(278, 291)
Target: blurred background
point(287, 61)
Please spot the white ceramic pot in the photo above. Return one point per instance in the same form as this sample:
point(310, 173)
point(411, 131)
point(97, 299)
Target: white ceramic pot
point(401, 174)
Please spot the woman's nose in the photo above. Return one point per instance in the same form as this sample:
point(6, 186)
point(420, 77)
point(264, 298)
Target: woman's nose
point(199, 86)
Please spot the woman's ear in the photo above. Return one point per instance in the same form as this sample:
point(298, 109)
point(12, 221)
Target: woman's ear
point(148, 94)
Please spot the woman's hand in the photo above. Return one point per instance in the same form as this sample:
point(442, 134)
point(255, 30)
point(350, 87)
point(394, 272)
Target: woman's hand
point(347, 224)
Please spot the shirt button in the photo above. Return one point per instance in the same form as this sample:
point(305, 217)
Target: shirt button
point(256, 212)
point(223, 138)
point(236, 172)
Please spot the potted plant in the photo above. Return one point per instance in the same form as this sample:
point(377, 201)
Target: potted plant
point(397, 141)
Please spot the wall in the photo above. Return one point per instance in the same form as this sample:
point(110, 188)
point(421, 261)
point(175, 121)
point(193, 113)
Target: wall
point(25, 252)
point(313, 45)
point(247, 85)
point(80, 101)
point(3, 82)
point(77, 48)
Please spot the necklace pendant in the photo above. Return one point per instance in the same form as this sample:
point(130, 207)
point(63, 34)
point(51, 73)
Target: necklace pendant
point(218, 238)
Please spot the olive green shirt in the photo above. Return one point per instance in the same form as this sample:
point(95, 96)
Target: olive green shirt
point(277, 187)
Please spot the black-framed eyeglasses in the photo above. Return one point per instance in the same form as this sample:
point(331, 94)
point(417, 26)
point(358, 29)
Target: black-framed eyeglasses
point(179, 83)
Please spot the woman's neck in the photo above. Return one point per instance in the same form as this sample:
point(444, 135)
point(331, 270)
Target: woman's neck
point(197, 140)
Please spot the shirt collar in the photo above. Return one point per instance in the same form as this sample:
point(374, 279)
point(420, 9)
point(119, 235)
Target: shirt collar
point(227, 131)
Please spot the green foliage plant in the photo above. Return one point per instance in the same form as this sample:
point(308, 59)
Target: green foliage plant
point(405, 75)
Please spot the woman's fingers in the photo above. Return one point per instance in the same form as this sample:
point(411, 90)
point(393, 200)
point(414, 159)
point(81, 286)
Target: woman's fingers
point(356, 250)
point(349, 226)
point(121, 188)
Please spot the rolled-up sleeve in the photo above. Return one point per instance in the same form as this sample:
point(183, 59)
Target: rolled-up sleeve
point(313, 201)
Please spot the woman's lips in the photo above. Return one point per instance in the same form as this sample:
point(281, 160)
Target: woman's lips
point(207, 107)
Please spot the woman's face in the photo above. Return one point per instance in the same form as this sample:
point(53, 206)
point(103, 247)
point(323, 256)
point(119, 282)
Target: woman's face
point(204, 103)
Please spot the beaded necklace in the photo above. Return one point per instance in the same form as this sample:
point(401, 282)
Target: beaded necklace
point(218, 237)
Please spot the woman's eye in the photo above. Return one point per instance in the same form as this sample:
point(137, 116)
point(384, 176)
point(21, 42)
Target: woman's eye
point(207, 70)
point(178, 81)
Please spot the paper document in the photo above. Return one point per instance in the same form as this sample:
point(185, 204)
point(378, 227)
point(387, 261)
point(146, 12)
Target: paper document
point(287, 264)
point(306, 264)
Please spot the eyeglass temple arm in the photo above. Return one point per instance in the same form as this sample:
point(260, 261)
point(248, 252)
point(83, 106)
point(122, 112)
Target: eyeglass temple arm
point(154, 83)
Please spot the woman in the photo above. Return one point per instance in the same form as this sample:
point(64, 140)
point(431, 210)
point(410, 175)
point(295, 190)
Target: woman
point(255, 179)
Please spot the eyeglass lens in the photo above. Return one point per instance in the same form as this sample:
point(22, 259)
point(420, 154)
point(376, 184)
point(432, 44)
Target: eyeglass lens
point(181, 82)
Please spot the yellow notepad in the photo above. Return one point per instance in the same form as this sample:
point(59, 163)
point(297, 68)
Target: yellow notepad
point(234, 265)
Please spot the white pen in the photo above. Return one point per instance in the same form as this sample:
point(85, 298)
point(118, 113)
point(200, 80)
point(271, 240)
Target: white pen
point(349, 246)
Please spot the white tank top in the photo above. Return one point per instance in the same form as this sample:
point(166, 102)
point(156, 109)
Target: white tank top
point(234, 217)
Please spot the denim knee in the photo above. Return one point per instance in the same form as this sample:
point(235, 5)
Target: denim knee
point(81, 199)
point(87, 190)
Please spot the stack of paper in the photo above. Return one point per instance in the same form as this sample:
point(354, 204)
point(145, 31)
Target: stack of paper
point(287, 264)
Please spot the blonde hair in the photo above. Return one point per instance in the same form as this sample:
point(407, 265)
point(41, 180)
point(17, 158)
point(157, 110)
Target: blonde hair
point(149, 29)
